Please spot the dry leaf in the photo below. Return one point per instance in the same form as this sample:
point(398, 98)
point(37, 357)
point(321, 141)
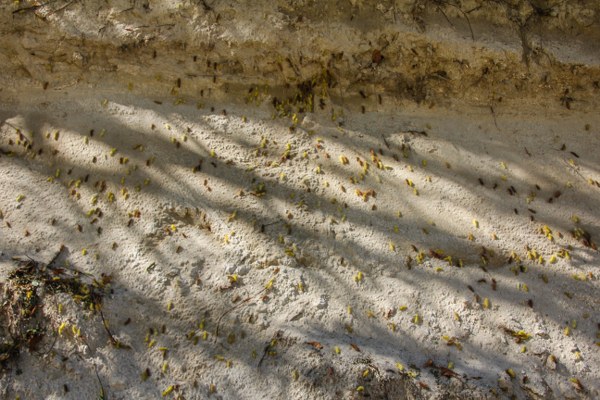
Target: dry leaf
point(316, 345)
point(447, 372)
point(577, 384)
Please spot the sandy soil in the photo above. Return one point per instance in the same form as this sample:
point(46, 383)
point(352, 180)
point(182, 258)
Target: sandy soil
point(268, 205)
point(430, 238)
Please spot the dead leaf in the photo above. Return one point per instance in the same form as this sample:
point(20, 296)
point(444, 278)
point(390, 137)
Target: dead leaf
point(577, 384)
point(316, 345)
point(377, 57)
point(447, 372)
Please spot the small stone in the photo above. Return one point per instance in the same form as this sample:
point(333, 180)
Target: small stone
point(322, 303)
point(230, 269)
point(118, 385)
point(551, 362)
point(308, 123)
point(79, 59)
point(240, 269)
point(505, 385)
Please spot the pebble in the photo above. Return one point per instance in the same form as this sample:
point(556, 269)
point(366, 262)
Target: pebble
point(240, 269)
point(321, 303)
